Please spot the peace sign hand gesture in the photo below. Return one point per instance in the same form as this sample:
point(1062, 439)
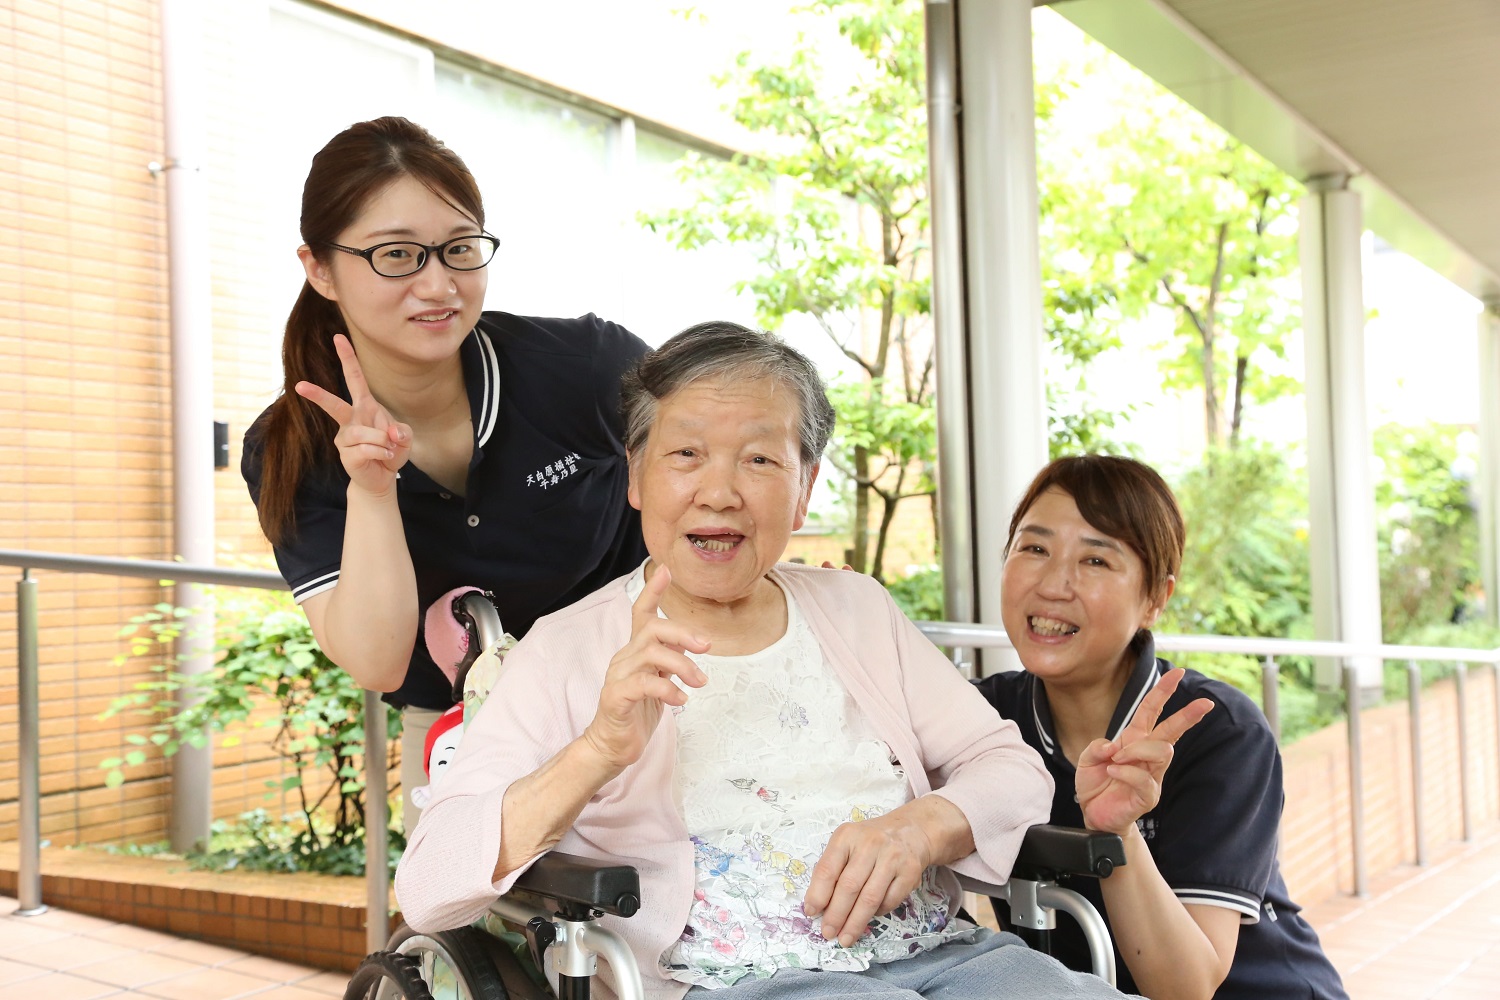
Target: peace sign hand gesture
point(372, 445)
point(1119, 782)
point(639, 680)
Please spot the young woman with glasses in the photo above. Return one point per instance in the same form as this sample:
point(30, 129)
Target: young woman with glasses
point(422, 444)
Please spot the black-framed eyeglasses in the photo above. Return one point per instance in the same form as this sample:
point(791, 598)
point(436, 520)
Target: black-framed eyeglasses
point(400, 260)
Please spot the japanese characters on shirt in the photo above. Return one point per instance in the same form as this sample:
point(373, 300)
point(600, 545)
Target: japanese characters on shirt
point(554, 472)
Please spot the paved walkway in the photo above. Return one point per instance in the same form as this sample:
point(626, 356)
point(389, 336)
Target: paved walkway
point(69, 956)
point(1422, 934)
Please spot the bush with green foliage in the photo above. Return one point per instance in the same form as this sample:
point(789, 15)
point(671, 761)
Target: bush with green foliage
point(919, 594)
point(1429, 536)
point(271, 674)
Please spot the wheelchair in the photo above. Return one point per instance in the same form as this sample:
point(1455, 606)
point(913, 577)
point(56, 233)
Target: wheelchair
point(555, 905)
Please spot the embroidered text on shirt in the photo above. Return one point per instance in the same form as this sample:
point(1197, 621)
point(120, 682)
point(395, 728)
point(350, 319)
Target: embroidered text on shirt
point(554, 472)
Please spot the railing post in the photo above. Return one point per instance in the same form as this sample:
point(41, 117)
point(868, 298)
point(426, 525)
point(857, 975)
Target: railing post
point(1495, 674)
point(1414, 706)
point(377, 820)
point(1356, 779)
point(965, 665)
point(1270, 695)
point(1461, 676)
point(29, 862)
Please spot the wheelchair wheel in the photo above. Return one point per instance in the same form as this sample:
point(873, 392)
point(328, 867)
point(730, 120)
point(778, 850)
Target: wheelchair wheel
point(455, 965)
point(386, 975)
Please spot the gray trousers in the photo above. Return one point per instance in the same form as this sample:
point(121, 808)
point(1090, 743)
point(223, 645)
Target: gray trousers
point(991, 967)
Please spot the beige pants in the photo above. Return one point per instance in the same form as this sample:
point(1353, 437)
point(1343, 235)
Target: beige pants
point(414, 725)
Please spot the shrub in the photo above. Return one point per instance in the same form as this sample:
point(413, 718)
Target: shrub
point(270, 660)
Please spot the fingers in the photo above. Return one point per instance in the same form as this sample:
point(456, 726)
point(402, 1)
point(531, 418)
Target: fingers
point(1149, 753)
point(1096, 753)
point(867, 869)
point(824, 876)
point(1139, 780)
point(326, 401)
point(1180, 721)
point(847, 890)
point(1155, 701)
point(354, 375)
point(665, 660)
point(643, 611)
point(640, 687)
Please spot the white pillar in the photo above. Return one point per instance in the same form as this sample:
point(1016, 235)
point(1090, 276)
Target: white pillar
point(946, 230)
point(1345, 564)
point(1489, 457)
point(191, 303)
point(1006, 343)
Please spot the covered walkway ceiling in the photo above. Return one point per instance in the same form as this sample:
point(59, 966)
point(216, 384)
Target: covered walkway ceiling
point(1404, 95)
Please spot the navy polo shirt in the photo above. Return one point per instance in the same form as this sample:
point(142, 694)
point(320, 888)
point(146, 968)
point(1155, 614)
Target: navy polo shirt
point(543, 520)
point(1213, 834)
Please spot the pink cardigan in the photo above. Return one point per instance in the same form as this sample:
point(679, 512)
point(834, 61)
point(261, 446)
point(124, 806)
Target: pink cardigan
point(949, 739)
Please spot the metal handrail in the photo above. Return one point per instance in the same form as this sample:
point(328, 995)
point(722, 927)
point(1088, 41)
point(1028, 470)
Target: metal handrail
point(957, 636)
point(960, 637)
point(966, 635)
point(29, 869)
point(146, 569)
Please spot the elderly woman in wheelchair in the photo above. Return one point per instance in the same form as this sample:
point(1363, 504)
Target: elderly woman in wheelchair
point(789, 765)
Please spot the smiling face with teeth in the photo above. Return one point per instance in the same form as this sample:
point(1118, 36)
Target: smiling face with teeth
point(721, 486)
point(1073, 597)
point(409, 322)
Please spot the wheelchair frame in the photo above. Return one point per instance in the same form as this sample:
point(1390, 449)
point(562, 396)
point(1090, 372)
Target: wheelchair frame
point(559, 898)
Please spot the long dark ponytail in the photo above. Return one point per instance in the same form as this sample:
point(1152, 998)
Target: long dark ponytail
point(355, 165)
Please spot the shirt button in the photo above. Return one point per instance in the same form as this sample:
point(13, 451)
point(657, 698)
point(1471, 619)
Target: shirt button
point(446, 496)
point(473, 520)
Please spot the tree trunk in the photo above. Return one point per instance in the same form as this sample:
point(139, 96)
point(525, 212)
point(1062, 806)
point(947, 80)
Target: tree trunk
point(1210, 389)
point(887, 515)
point(937, 526)
point(1241, 367)
point(861, 548)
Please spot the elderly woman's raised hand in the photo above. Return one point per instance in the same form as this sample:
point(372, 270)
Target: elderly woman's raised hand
point(639, 679)
point(372, 444)
point(1119, 782)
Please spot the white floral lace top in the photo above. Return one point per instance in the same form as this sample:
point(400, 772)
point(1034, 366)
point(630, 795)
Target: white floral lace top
point(772, 756)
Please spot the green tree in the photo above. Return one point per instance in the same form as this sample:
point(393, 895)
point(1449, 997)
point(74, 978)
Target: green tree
point(1162, 209)
point(834, 207)
point(1429, 536)
point(1242, 575)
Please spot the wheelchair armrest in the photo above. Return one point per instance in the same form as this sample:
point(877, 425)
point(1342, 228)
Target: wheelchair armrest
point(1049, 851)
point(583, 882)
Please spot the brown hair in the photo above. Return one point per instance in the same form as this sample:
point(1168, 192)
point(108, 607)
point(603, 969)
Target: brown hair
point(1123, 498)
point(352, 168)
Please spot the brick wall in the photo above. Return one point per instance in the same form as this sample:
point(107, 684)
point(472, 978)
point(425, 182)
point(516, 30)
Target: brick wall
point(86, 383)
point(1315, 841)
point(316, 920)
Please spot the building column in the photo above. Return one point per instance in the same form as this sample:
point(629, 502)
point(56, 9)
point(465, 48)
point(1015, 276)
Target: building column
point(950, 336)
point(1345, 563)
point(1489, 457)
point(1003, 281)
point(191, 319)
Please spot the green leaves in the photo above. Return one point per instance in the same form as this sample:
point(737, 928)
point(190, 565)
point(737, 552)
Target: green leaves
point(1161, 210)
point(271, 675)
point(833, 207)
point(1429, 544)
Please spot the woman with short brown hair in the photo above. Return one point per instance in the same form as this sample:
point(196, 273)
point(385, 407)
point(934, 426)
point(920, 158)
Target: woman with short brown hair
point(1199, 910)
